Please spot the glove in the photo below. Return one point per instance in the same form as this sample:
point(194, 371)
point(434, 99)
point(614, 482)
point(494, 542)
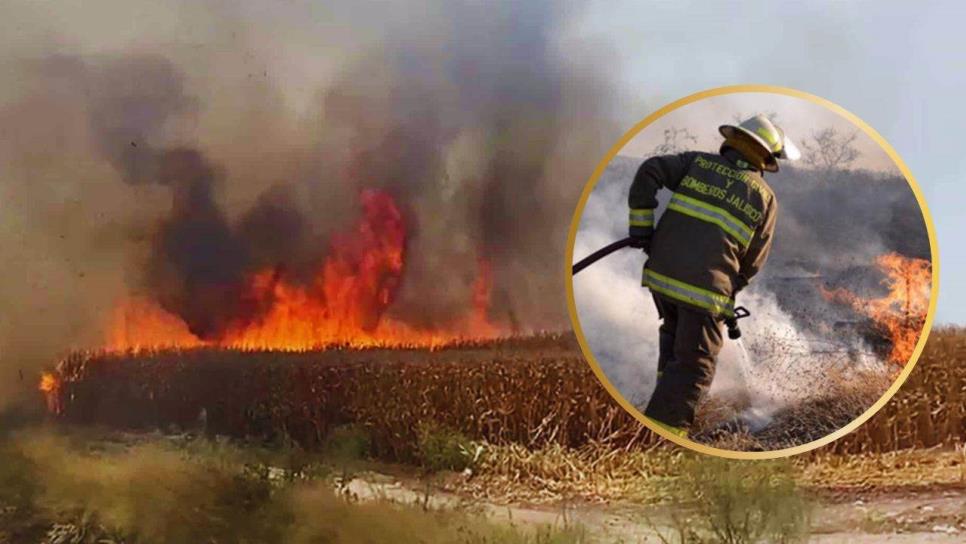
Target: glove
point(641, 238)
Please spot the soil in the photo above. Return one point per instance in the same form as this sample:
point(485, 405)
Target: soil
point(931, 516)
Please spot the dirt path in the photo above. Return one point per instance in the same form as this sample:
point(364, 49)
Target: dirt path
point(929, 517)
point(934, 516)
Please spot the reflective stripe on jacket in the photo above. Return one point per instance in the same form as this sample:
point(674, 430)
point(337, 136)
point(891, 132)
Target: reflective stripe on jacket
point(642, 218)
point(693, 295)
point(716, 232)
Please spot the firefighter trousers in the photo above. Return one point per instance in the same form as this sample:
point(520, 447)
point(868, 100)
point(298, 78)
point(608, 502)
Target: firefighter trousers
point(690, 341)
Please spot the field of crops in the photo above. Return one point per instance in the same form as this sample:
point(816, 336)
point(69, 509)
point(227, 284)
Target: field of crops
point(929, 408)
point(532, 392)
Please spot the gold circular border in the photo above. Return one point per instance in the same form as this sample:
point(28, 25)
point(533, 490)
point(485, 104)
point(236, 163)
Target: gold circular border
point(933, 250)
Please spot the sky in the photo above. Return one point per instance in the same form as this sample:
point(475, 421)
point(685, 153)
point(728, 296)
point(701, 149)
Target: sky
point(901, 67)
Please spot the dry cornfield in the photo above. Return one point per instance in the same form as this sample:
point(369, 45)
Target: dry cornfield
point(929, 408)
point(532, 392)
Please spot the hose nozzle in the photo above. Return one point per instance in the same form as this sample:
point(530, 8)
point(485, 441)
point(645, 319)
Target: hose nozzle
point(734, 332)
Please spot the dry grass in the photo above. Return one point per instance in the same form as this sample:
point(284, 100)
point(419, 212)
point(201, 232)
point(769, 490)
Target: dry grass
point(916, 442)
point(531, 392)
point(537, 423)
point(81, 490)
point(598, 474)
point(592, 473)
point(911, 469)
point(841, 400)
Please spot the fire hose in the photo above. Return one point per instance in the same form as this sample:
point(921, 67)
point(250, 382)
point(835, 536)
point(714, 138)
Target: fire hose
point(734, 332)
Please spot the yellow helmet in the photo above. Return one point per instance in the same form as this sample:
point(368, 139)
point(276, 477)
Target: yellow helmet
point(769, 136)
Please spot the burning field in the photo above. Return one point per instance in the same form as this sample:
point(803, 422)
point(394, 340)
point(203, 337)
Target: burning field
point(342, 303)
point(181, 223)
point(404, 192)
point(535, 392)
point(317, 359)
point(383, 251)
point(223, 343)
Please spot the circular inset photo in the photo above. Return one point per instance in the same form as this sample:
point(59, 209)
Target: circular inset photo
point(753, 271)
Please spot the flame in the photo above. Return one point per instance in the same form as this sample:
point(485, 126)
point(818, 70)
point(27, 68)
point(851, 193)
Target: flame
point(901, 313)
point(139, 322)
point(482, 288)
point(344, 304)
point(49, 382)
point(50, 386)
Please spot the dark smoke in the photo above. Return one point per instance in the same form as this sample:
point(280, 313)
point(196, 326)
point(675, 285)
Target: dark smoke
point(130, 100)
point(473, 119)
point(198, 266)
point(831, 231)
point(199, 261)
point(468, 131)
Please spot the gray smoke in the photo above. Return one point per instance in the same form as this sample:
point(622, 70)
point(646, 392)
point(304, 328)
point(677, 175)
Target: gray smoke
point(477, 133)
point(176, 167)
point(198, 260)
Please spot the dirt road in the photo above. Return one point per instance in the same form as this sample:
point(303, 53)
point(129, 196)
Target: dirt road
point(937, 517)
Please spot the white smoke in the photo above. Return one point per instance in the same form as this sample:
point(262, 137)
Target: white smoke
point(616, 314)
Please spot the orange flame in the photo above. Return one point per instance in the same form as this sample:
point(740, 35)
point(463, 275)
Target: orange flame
point(482, 288)
point(901, 314)
point(344, 304)
point(50, 386)
point(49, 382)
point(140, 322)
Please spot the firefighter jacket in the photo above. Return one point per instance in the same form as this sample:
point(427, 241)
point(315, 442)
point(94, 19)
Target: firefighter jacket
point(716, 232)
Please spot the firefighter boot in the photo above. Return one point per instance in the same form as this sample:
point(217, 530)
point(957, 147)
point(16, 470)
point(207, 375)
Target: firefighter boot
point(676, 431)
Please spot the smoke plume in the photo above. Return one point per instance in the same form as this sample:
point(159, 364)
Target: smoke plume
point(178, 168)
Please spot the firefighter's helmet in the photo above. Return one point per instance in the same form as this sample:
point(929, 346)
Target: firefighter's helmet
point(769, 136)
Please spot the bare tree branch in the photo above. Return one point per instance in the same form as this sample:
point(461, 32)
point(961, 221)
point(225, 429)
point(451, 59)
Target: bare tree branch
point(829, 150)
point(676, 140)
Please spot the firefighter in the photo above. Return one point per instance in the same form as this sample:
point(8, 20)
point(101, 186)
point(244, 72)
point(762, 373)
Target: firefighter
point(713, 238)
